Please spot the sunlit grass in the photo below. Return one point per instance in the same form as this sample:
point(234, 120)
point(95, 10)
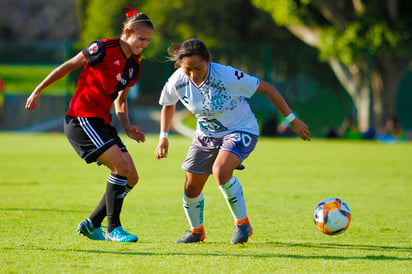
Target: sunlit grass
point(46, 190)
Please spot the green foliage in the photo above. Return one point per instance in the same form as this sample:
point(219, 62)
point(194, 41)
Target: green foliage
point(347, 46)
point(176, 20)
point(283, 181)
point(210, 21)
point(368, 32)
point(282, 11)
point(344, 46)
point(102, 20)
point(245, 37)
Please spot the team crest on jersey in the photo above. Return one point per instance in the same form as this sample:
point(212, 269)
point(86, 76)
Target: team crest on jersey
point(93, 48)
point(130, 72)
point(217, 101)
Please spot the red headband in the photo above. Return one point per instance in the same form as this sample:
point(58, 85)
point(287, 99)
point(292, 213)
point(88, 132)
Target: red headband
point(131, 12)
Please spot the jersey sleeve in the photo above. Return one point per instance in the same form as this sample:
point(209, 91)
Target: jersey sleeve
point(94, 53)
point(242, 84)
point(168, 95)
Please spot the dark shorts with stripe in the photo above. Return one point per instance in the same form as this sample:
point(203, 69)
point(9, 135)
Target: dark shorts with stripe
point(90, 137)
point(204, 150)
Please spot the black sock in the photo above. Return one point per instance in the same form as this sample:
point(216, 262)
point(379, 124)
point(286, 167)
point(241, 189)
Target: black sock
point(127, 189)
point(99, 212)
point(115, 192)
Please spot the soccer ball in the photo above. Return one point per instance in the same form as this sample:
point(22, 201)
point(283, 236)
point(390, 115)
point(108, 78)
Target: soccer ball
point(332, 216)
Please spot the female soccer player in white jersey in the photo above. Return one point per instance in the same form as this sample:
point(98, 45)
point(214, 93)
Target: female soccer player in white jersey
point(226, 133)
point(110, 68)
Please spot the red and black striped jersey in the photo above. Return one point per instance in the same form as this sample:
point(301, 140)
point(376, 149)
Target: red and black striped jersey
point(106, 72)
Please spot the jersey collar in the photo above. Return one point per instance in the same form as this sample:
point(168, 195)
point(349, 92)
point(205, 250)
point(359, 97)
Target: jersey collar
point(206, 78)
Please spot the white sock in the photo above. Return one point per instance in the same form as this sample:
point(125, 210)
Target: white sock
point(193, 208)
point(233, 193)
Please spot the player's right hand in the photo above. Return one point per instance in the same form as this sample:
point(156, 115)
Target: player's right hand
point(31, 101)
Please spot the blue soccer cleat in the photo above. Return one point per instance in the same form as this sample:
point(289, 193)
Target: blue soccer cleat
point(87, 229)
point(120, 235)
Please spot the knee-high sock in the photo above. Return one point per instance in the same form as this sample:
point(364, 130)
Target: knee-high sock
point(193, 208)
point(114, 199)
point(100, 212)
point(233, 193)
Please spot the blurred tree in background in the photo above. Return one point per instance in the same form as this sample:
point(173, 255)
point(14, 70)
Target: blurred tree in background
point(364, 45)
point(236, 32)
point(99, 19)
point(367, 43)
point(229, 26)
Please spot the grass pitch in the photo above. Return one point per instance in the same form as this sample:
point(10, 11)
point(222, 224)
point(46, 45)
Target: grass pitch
point(46, 190)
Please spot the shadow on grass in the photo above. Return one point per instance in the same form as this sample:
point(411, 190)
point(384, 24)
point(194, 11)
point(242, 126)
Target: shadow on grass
point(191, 253)
point(338, 246)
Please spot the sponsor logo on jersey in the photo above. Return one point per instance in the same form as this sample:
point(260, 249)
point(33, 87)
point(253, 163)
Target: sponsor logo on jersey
point(121, 79)
point(93, 48)
point(130, 73)
point(212, 125)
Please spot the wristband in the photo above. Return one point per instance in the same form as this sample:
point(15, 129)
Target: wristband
point(163, 134)
point(290, 117)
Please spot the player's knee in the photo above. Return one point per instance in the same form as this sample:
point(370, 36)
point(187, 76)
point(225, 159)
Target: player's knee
point(123, 169)
point(133, 178)
point(192, 191)
point(222, 175)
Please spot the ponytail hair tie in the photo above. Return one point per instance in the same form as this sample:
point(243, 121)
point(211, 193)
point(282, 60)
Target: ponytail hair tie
point(131, 12)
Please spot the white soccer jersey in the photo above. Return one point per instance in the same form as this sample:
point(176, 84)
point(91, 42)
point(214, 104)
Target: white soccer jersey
point(219, 103)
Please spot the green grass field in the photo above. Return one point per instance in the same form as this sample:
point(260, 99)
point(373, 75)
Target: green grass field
point(46, 190)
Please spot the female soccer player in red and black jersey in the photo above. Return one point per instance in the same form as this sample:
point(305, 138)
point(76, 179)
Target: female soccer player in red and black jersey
point(110, 68)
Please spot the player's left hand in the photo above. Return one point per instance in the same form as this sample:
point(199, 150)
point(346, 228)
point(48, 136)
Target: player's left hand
point(136, 133)
point(301, 129)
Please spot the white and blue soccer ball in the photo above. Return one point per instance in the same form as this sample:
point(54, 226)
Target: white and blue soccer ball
point(332, 216)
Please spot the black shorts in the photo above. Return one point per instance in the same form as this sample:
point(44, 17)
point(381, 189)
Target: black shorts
point(90, 137)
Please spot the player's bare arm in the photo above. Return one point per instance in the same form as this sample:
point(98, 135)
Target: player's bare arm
point(297, 125)
point(167, 114)
point(58, 73)
point(122, 113)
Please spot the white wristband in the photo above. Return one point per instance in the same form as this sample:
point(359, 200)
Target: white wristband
point(163, 134)
point(290, 117)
